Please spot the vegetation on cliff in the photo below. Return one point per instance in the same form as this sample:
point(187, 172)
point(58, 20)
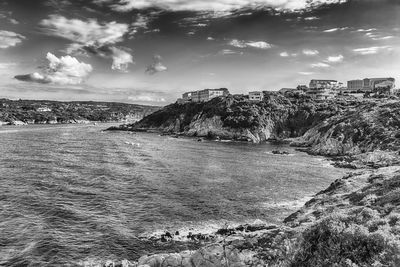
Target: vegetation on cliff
point(43, 111)
point(374, 125)
point(237, 118)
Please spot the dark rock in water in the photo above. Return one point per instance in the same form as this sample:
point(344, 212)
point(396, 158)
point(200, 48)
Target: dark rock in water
point(177, 233)
point(226, 231)
point(199, 140)
point(278, 152)
point(163, 239)
point(168, 235)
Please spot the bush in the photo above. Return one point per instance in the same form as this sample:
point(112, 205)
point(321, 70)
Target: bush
point(340, 241)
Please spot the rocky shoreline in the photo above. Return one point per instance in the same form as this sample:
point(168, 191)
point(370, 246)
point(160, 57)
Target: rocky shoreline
point(353, 222)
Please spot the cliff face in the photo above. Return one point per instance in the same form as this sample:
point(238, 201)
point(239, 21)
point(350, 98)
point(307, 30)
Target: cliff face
point(236, 118)
point(51, 112)
point(369, 127)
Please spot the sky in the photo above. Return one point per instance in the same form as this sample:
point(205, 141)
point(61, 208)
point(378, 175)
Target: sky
point(152, 51)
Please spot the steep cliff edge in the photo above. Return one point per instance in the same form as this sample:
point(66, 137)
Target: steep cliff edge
point(236, 118)
point(369, 127)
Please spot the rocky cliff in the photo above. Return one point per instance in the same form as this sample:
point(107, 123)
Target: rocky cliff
point(371, 126)
point(237, 118)
point(51, 112)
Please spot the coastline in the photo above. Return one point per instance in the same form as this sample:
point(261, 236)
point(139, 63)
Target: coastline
point(362, 137)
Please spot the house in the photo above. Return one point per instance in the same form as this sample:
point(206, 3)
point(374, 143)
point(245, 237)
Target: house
point(323, 89)
point(43, 109)
point(256, 96)
point(204, 95)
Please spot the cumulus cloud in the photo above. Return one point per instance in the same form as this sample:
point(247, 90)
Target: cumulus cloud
point(156, 66)
point(371, 50)
point(251, 44)
point(9, 39)
point(309, 52)
point(64, 70)
point(212, 5)
point(121, 59)
point(284, 54)
point(335, 59)
point(92, 37)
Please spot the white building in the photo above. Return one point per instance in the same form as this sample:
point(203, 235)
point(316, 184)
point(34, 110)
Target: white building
point(204, 95)
point(256, 96)
point(323, 89)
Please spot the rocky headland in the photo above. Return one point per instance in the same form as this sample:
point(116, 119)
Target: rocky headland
point(354, 222)
point(22, 112)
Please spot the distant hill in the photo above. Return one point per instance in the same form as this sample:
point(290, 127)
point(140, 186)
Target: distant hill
point(17, 112)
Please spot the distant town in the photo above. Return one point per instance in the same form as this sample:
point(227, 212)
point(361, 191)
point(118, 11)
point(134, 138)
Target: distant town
point(317, 89)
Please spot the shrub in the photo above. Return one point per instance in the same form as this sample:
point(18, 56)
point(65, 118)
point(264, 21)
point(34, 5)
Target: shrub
point(339, 241)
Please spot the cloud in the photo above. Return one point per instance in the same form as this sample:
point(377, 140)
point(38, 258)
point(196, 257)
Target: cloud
point(252, 44)
point(383, 38)
point(309, 52)
point(92, 37)
point(225, 52)
point(366, 30)
point(336, 29)
point(320, 65)
point(212, 5)
point(371, 50)
point(306, 73)
point(311, 18)
point(64, 70)
point(10, 39)
point(284, 54)
point(156, 66)
point(335, 59)
point(90, 32)
point(142, 23)
point(121, 59)
point(147, 97)
point(259, 45)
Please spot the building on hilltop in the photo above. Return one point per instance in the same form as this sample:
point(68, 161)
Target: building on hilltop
point(355, 85)
point(324, 84)
point(204, 95)
point(256, 96)
point(372, 85)
point(323, 89)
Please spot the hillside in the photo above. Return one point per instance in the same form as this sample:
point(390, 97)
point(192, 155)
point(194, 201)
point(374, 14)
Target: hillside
point(236, 118)
point(50, 112)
